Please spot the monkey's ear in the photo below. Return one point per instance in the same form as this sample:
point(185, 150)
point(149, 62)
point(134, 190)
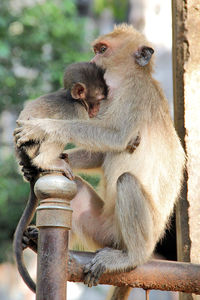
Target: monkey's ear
point(78, 91)
point(143, 55)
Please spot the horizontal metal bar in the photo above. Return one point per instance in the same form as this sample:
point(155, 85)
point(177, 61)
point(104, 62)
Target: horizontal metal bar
point(155, 274)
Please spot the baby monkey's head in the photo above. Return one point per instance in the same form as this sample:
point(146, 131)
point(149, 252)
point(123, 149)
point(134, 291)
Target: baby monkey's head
point(86, 83)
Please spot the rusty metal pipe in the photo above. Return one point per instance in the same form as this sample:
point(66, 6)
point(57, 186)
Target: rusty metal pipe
point(155, 274)
point(53, 220)
point(51, 272)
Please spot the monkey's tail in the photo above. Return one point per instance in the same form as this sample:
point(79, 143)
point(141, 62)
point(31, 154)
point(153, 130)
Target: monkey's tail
point(25, 220)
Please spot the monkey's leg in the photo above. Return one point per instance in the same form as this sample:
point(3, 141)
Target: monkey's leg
point(48, 159)
point(30, 172)
point(87, 210)
point(134, 220)
point(25, 154)
point(86, 222)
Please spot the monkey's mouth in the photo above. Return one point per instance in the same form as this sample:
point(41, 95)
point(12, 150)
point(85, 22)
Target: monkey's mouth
point(93, 109)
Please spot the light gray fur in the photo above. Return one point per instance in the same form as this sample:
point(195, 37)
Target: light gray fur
point(55, 106)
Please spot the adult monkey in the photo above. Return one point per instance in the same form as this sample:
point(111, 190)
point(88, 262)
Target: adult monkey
point(141, 188)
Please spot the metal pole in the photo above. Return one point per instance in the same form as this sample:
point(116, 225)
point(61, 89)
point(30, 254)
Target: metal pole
point(53, 220)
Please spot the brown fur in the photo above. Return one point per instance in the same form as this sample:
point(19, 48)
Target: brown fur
point(140, 189)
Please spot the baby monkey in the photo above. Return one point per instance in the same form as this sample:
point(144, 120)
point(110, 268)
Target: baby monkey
point(84, 89)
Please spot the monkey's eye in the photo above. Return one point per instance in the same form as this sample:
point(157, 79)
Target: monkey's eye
point(100, 48)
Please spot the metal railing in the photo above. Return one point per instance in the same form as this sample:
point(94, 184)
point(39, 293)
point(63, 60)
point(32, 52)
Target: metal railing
point(55, 268)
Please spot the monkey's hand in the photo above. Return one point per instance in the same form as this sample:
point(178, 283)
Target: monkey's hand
point(29, 130)
point(34, 130)
point(133, 144)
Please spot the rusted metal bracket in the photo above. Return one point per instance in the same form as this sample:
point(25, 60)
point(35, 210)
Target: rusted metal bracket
point(156, 274)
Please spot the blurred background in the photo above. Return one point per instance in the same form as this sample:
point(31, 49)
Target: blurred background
point(38, 39)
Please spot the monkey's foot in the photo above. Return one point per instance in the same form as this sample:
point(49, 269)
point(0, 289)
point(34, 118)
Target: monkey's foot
point(95, 268)
point(106, 260)
point(59, 165)
point(30, 173)
point(30, 238)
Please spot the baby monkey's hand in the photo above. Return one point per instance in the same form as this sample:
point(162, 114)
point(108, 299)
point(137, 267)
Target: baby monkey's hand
point(29, 130)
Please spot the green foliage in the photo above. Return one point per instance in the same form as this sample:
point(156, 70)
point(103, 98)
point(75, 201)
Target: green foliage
point(118, 7)
point(36, 44)
point(13, 196)
point(70, 146)
point(92, 179)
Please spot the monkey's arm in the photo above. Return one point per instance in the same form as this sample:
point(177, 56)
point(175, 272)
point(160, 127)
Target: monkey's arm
point(84, 159)
point(88, 134)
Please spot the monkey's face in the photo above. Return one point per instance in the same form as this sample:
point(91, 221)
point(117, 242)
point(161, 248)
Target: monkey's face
point(122, 48)
point(93, 99)
point(108, 49)
point(90, 95)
